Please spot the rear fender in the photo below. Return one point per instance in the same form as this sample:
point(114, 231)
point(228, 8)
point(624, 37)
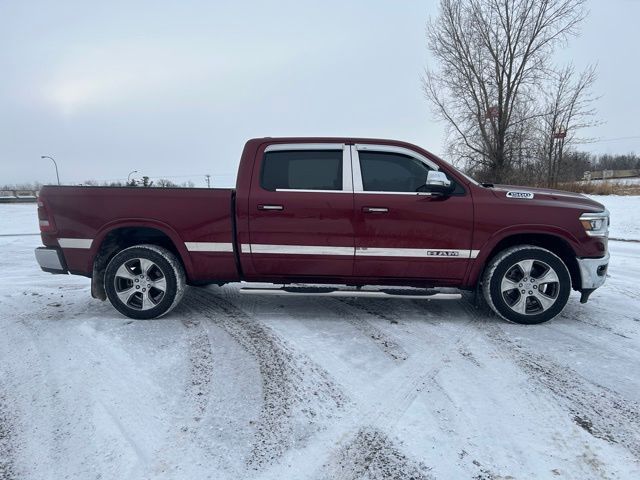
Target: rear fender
point(143, 223)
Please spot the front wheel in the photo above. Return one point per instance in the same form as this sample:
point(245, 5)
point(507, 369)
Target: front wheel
point(527, 284)
point(144, 281)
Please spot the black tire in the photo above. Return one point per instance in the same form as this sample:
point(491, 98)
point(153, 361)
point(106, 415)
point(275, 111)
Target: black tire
point(526, 297)
point(144, 281)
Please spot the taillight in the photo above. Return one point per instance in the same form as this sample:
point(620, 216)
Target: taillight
point(45, 219)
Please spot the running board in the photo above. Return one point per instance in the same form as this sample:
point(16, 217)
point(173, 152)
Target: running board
point(339, 292)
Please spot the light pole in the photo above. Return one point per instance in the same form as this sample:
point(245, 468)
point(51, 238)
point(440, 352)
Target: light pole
point(129, 176)
point(208, 177)
point(54, 162)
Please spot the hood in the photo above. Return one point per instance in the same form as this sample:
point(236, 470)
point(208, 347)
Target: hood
point(528, 194)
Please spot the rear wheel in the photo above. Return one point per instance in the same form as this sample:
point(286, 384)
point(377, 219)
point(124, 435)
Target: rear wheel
point(144, 281)
point(527, 284)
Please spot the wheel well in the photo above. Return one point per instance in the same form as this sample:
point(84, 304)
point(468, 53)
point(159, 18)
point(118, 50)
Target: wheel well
point(552, 243)
point(119, 239)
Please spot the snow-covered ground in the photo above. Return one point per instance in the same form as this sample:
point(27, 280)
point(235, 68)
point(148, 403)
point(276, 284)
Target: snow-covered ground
point(625, 215)
point(232, 386)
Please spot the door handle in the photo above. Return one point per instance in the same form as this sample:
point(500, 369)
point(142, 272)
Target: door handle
point(270, 207)
point(375, 209)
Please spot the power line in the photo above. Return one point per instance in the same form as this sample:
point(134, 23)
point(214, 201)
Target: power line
point(195, 175)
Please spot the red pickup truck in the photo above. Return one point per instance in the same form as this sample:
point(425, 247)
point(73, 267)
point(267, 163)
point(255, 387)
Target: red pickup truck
point(351, 212)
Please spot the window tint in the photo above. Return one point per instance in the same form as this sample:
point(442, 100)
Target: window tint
point(392, 172)
point(303, 170)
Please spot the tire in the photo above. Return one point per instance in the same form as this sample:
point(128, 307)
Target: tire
point(144, 281)
point(526, 284)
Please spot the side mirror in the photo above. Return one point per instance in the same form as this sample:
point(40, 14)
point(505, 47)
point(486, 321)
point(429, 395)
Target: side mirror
point(437, 182)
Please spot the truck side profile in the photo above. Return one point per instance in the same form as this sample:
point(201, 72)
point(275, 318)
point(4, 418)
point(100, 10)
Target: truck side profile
point(330, 211)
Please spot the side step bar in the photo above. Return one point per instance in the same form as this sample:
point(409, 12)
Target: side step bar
point(420, 294)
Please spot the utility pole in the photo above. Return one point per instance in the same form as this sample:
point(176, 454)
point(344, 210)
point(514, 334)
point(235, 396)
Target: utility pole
point(54, 162)
point(208, 177)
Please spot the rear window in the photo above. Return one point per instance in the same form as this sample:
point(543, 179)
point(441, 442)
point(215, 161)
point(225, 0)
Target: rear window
point(302, 170)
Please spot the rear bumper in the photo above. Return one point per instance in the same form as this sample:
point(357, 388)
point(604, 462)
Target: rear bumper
point(51, 260)
point(593, 271)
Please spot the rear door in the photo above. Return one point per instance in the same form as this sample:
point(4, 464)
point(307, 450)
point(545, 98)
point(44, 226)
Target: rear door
point(301, 211)
point(402, 230)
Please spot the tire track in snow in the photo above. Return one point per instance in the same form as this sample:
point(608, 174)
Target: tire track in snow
point(201, 366)
point(403, 384)
point(292, 385)
point(598, 410)
point(371, 454)
point(7, 442)
point(383, 341)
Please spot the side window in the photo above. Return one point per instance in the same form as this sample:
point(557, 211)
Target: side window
point(391, 172)
point(302, 170)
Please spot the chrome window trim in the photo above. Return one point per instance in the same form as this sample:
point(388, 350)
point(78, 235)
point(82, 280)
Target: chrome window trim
point(278, 147)
point(357, 172)
point(302, 190)
point(347, 175)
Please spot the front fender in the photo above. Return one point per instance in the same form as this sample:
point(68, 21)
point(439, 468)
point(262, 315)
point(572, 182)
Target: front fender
point(486, 250)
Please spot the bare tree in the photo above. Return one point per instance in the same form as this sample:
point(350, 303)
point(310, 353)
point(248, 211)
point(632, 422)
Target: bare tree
point(568, 108)
point(492, 56)
point(165, 183)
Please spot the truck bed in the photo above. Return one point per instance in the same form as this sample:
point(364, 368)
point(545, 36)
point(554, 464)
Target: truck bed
point(197, 220)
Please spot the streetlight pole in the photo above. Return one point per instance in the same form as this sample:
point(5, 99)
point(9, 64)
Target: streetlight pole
point(129, 176)
point(56, 165)
point(208, 177)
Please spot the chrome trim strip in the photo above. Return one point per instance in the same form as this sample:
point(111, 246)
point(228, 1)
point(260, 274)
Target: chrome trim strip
point(301, 249)
point(415, 252)
point(208, 247)
point(276, 147)
point(358, 251)
point(75, 242)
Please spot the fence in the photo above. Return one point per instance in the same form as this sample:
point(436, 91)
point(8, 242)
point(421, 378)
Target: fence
point(16, 196)
point(606, 174)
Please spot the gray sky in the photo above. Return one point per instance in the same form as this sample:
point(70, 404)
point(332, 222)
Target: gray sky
point(175, 88)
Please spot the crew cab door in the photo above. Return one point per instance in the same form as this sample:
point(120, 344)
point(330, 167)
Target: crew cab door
point(401, 229)
point(301, 211)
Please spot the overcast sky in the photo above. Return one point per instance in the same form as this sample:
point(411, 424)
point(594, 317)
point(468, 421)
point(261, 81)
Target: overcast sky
point(174, 89)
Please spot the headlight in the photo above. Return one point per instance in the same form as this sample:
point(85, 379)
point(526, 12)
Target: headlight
point(596, 224)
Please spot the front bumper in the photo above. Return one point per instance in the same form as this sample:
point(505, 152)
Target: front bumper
point(593, 271)
point(51, 260)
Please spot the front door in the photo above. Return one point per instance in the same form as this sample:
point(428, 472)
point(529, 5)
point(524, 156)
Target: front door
point(402, 230)
point(301, 213)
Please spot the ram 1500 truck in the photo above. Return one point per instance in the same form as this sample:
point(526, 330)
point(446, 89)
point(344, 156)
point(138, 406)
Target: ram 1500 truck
point(350, 212)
